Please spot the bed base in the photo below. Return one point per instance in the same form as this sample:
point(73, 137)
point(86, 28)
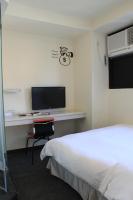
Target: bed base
point(84, 189)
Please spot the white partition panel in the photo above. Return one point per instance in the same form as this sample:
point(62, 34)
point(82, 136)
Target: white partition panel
point(3, 168)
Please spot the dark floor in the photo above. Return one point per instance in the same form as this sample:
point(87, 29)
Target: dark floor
point(34, 182)
point(11, 194)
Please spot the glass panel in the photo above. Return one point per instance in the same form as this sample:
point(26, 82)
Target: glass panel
point(3, 184)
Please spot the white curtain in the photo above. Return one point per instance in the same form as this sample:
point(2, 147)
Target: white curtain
point(4, 4)
point(3, 168)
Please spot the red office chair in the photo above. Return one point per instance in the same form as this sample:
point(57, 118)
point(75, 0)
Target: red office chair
point(42, 129)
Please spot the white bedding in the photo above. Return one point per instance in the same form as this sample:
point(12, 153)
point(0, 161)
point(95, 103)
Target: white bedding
point(101, 157)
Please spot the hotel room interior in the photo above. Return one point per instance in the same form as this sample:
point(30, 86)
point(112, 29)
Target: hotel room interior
point(66, 100)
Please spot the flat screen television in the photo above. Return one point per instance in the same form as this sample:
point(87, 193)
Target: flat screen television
point(48, 97)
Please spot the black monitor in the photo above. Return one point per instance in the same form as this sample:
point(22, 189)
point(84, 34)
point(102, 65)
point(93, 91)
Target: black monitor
point(48, 97)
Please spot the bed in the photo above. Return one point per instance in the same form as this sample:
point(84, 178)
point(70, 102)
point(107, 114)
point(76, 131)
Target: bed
point(97, 163)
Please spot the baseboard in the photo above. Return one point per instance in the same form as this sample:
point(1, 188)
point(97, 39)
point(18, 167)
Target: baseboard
point(23, 149)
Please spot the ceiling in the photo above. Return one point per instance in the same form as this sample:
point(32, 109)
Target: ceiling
point(41, 27)
point(86, 10)
point(77, 8)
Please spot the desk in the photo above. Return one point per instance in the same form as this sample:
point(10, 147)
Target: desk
point(17, 127)
point(17, 120)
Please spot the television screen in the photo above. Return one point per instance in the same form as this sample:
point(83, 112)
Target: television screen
point(48, 97)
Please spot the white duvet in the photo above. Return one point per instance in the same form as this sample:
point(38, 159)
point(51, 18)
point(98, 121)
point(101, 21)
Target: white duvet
point(101, 157)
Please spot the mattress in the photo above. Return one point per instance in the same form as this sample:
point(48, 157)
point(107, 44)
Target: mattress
point(101, 157)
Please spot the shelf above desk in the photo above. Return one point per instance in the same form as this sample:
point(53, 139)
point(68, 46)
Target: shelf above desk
point(12, 90)
point(17, 120)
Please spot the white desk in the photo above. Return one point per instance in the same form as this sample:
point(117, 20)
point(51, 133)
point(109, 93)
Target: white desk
point(17, 120)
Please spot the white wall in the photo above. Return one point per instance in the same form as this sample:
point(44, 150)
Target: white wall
point(99, 81)
point(28, 62)
point(83, 78)
point(91, 80)
point(121, 106)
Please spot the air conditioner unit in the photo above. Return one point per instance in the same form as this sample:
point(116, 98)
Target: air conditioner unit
point(120, 43)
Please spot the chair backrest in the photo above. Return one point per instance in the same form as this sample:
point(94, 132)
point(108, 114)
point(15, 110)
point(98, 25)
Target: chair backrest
point(43, 128)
